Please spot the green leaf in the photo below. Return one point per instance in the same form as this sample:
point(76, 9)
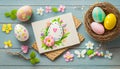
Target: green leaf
point(32, 55)
point(13, 17)
point(14, 11)
point(46, 31)
point(43, 45)
point(32, 61)
point(46, 47)
point(64, 36)
point(7, 14)
point(89, 52)
point(37, 60)
point(42, 38)
point(54, 20)
point(28, 17)
point(58, 42)
point(51, 47)
point(54, 9)
point(58, 19)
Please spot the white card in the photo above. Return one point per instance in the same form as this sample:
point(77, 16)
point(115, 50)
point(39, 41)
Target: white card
point(55, 33)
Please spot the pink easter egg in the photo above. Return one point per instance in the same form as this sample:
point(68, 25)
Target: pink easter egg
point(97, 28)
point(24, 13)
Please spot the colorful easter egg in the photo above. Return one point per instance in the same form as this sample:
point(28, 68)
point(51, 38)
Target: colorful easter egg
point(110, 21)
point(21, 32)
point(24, 13)
point(98, 14)
point(55, 30)
point(97, 28)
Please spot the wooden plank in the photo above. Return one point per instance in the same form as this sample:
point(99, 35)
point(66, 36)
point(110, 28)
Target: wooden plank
point(12, 60)
point(76, 10)
point(17, 44)
point(60, 67)
point(55, 2)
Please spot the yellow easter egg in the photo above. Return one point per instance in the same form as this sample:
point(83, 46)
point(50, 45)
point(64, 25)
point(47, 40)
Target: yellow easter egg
point(110, 21)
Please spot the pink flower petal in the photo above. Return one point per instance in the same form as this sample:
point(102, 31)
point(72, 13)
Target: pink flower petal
point(66, 60)
point(68, 56)
point(25, 49)
point(48, 9)
point(61, 8)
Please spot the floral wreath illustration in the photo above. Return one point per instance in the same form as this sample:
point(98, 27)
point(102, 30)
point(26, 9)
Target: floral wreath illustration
point(48, 41)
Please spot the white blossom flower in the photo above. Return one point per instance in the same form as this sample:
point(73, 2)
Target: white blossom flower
point(40, 11)
point(89, 45)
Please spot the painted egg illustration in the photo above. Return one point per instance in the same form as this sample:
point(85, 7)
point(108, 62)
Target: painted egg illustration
point(97, 28)
point(110, 21)
point(98, 14)
point(56, 31)
point(21, 32)
point(24, 13)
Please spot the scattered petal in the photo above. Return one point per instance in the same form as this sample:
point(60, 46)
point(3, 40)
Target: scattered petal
point(91, 56)
point(89, 45)
point(40, 11)
point(25, 49)
point(82, 7)
point(68, 56)
point(108, 55)
point(7, 44)
point(47, 9)
point(6, 28)
point(61, 8)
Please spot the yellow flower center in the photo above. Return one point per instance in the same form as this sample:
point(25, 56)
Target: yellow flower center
point(48, 40)
point(68, 57)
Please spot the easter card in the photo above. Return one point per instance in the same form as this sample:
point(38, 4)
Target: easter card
point(55, 33)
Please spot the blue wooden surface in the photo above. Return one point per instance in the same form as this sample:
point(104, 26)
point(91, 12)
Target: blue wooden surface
point(74, 6)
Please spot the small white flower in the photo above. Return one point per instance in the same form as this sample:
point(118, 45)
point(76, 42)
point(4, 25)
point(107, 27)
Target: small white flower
point(82, 7)
point(89, 45)
point(5, 46)
point(108, 55)
point(80, 54)
point(40, 11)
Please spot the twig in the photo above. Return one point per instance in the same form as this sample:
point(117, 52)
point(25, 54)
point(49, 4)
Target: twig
point(18, 54)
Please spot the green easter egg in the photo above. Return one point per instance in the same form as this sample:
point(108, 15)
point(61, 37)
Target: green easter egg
point(89, 52)
point(98, 14)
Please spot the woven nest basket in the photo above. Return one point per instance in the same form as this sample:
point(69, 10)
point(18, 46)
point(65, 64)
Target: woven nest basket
point(108, 35)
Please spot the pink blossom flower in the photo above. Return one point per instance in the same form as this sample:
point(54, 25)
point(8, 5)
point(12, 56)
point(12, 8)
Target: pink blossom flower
point(68, 56)
point(61, 8)
point(25, 49)
point(49, 41)
point(48, 9)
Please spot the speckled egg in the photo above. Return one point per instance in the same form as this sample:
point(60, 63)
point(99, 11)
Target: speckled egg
point(56, 31)
point(21, 32)
point(97, 28)
point(110, 21)
point(24, 13)
point(98, 14)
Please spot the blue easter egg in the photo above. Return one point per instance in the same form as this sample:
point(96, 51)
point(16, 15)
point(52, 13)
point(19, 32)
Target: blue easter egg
point(98, 14)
